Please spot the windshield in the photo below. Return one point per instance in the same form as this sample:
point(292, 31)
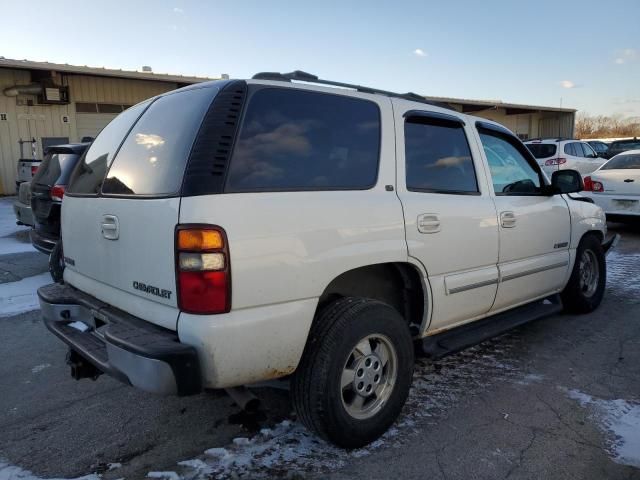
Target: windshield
point(623, 162)
point(542, 150)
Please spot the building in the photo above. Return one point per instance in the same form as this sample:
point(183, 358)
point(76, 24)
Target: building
point(43, 104)
point(527, 121)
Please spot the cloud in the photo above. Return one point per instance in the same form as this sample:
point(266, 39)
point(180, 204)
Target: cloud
point(567, 84)
point(626, 55)
point(418, 52)
point(178, 10)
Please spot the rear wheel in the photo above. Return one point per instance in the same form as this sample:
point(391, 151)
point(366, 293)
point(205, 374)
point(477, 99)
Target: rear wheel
point(586, 286)
point(56, 262)
point(355, 373)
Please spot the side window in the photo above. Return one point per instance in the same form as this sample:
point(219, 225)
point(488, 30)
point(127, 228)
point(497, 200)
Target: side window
point(588, 151)
point(438, 158)
point(511, 173)
point(569, 150)
point(301, 140)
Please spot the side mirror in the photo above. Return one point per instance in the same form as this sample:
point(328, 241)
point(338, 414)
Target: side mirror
point(567, 181)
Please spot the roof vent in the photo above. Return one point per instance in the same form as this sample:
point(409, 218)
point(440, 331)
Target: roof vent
point(147, 68)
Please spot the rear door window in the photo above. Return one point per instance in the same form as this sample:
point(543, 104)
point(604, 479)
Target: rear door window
point(570, 149)
point(153, 157)
point(438, 158)
point(88, 175)
point(302, 140)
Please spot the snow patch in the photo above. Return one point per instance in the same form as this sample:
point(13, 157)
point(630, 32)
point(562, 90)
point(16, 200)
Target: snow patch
point(19, 297)
point(530, 378)
point(9, 243)
point(10, 472)
point(623, 280)
point(620, 419)
point(39, 368)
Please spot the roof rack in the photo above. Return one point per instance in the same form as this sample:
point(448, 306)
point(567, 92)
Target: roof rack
point(301, 76)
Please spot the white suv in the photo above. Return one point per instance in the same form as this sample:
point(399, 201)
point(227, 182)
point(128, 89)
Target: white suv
point(557, 153)
point(240, 231)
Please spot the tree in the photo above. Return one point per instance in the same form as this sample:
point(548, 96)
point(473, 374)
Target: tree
point(601, 126)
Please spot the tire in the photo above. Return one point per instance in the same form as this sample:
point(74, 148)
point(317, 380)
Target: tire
point(584, 293)
point(335, 412)
point(56, 263)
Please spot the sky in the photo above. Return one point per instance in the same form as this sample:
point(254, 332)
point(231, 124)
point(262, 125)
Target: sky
point(576, 54)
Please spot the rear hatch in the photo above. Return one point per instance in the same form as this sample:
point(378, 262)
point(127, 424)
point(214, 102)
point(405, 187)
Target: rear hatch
point(27, 168)
point(620, 175)
point(122, 205)
point(55, 170)
point(543, 151)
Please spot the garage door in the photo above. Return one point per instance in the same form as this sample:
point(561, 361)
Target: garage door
point(90, 124)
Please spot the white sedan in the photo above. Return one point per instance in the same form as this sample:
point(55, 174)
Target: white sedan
point(615, 186)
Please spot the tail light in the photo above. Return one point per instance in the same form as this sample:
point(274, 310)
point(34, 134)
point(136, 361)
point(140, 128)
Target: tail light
point(555, 161)
point(57, 192)
point(203, 272)
point(34, 169)
point(591, 185)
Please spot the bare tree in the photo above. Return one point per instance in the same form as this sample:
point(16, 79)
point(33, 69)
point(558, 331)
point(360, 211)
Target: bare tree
point(601, 126)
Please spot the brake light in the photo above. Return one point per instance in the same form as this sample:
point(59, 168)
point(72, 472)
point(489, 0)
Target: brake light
point(34, 169)
point(555, 161)
point(57, 192)
point(203, 272)
point(592, 185)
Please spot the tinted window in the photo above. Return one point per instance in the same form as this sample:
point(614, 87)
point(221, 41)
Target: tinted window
point(623, 162)
point(588, 151)
point(152, 158)
point(510, 171)
point(297, 140)
point(570, 149)
point(625, 145)
point(542, 150)
point(55, 169)
point(88, 175)
point(438, 158)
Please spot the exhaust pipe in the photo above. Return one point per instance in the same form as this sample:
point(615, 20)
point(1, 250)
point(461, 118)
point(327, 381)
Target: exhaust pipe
point(31, 89)
point(244, 398)
point(80, 368)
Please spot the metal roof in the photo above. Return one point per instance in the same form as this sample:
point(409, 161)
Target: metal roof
point(99, 71)
point(498, 104)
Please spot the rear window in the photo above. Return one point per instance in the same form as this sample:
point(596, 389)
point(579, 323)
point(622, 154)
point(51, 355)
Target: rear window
point(623, 162)
point(153, 157)
point(542, 150)
point(56, 169)
point(299, 140)
point(88, 175)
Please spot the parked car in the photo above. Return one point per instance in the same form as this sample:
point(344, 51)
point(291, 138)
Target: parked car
point(601, 148)
point(620, 146)
point(557, 154)
point(240, 231)
point(47, 189)
point(615, 186)
point(22, 205)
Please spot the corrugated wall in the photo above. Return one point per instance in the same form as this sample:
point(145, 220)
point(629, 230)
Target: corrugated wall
point(26, 122)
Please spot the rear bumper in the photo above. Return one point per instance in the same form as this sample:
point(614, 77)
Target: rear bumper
point(42, 243)
point(130, 349)
point(616, 206)
point(23, 212)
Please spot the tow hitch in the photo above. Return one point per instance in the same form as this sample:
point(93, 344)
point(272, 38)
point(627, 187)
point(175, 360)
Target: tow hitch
point(80, 368)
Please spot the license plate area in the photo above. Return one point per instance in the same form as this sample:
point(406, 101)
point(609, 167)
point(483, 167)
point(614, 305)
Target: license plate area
point(626, 204)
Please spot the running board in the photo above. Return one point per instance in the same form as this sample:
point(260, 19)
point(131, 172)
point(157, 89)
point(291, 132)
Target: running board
point(459, 338)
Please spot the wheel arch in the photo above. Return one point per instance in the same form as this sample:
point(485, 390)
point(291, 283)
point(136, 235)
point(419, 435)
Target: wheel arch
point(399, 284)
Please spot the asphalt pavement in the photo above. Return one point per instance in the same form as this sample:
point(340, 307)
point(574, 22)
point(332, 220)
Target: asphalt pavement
point(548, 400)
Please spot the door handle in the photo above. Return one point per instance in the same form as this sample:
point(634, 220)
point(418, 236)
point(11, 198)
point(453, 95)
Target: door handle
point(428, 223)
point(507, 219)
point(110, 227)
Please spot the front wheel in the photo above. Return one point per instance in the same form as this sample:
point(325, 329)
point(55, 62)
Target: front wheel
point(355, 372)
point(588, 279)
